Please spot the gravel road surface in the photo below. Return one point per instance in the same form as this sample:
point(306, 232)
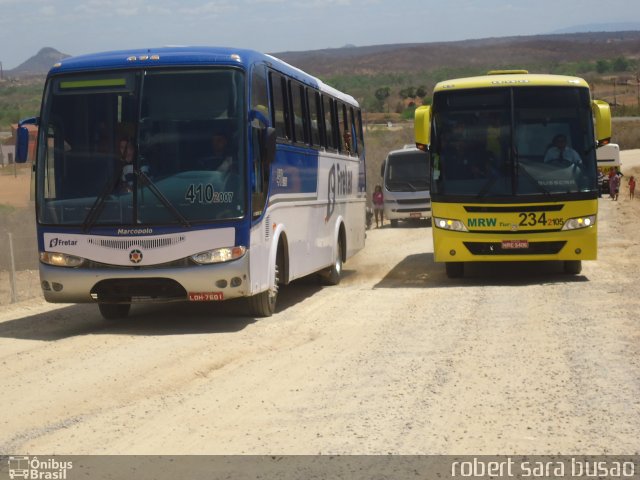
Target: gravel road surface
point(512, 359)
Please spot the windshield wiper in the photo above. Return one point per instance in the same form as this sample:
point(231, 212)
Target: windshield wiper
point(147, 182)
point(98, 205)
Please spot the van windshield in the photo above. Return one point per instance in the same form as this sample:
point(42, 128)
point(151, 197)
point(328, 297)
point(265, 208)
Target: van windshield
point(407, 171)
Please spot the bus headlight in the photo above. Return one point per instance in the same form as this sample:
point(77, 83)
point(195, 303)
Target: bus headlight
point(449, 224)
point(579, 222)
point(219, 255)
point(60, 259)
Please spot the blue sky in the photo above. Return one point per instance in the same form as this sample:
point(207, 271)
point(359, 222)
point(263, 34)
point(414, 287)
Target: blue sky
point(78, 27)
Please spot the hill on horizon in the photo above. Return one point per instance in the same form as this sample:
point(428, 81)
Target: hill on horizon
point(39, 64)
point(526, 52)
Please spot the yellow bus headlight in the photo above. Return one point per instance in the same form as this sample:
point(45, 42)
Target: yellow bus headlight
point(579, 222)
point(449, 224)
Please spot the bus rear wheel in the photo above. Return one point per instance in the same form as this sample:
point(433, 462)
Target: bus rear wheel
point(573, 267)
point(114, 311)
point(333, 274)
point(454, 269)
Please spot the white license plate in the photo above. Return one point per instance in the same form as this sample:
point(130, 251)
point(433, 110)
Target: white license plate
point(205, 296)
point(515, 244)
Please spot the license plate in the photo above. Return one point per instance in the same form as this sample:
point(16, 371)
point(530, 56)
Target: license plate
point(415, 215)
point(515, 244)
point(205, 296)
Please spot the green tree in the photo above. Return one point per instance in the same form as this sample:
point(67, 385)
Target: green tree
point(620, 64)
point(602, 66)
point(381, 95)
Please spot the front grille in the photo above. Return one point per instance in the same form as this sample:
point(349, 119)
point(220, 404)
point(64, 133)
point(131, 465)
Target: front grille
point(128, 243)
point(180, 263)
point(495, 248)
point(411, 201)
point(411, 210)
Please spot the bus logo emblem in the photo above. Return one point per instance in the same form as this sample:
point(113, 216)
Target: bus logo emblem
point(135, 256)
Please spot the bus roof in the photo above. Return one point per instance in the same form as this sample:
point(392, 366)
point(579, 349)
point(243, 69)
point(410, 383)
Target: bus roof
point(194, 56)
point(510, 80)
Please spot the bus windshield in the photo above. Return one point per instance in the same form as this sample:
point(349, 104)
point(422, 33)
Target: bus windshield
point(407, 171)
point(155, 147)
point(513, 142)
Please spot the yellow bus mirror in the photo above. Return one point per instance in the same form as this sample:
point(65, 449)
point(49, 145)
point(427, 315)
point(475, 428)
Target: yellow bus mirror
point(422, 127)
point(602, 117)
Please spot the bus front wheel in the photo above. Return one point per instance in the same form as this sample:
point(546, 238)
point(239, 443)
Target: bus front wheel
point(114, 311)
point(573, 267)
point(454, 269)
point(263, 304)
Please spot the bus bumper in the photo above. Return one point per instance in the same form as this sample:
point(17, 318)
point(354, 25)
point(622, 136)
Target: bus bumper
point(127, 285)
point(564, 245)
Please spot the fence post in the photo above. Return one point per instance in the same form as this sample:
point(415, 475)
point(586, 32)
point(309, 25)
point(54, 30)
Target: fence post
point(12, 272)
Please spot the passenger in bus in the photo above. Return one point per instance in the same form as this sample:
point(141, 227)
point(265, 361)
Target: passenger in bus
point(220, 152)
point(126, 152)
point(559, 152)
point(223, 163)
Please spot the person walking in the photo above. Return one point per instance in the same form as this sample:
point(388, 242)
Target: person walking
point(632, 187)
point(378, 205)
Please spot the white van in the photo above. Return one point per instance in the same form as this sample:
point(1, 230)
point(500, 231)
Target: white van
point(608, 157)
point(405, 174)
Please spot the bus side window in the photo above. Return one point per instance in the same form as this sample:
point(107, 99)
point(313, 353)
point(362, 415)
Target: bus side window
point(329, 122)
point(314, 117)
point(280, 111)
point(360, 134)
point(345, 134)
point(298, 112)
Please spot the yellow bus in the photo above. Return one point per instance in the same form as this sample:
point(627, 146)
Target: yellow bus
point(513, 168)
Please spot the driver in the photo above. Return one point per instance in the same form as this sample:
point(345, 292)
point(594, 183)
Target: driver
point(560, 152)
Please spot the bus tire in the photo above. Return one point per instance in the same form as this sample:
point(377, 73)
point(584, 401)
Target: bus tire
point(263, 304)
point(573, 267)
point(333, 274)
point(114, 311)
point(454, 269)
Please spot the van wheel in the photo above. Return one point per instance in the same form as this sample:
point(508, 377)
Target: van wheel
point(333, 275)
point(454, 269)
point(573, 267)
point(114, 311)
point(394, 223)
point(263, 304)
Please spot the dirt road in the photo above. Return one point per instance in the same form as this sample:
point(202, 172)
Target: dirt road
point(513, 359)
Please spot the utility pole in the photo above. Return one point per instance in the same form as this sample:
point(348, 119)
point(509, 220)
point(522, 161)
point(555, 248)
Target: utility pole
point(1, 72)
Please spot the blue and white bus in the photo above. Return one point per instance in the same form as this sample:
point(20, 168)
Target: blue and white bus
point(167, 222)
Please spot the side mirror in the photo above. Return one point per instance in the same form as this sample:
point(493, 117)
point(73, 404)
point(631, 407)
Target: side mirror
point(382, 168)
point(422, 127)
point(602, 116)
point(22, 140)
